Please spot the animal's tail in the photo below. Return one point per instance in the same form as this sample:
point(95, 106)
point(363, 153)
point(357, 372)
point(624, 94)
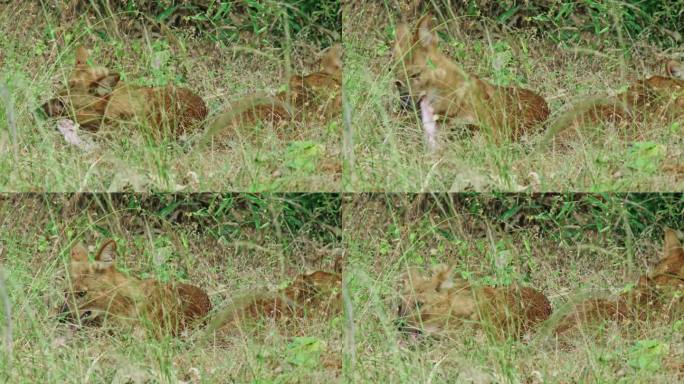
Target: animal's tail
point(558, 321)
point(248, 110)
point(594, 110)
point(250, 306)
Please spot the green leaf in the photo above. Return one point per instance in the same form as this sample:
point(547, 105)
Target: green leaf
point(647, 355)
point(305, 352)
point(507, 15)
point(303, 155)
point(167, 12)
point(645, 156)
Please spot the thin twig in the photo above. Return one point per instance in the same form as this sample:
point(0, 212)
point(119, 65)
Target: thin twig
point(7, 308)
point(11, 119)
point(350, 344)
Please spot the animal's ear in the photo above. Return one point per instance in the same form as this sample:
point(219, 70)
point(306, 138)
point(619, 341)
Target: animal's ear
point(107, 252)
point(675, 69)
point(338, 265)
point(105, 84)
point(81, 55)
point(331, 62)
point(443, 278)
point(79, 253)
point(334, 53)
point(425, 34)
point(672, 244)
point(402, 38)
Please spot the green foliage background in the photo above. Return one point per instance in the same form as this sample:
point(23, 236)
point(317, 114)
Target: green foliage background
point(661, 22)
point(224, 21)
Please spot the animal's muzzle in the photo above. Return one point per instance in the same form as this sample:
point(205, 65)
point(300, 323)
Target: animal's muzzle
point(67, 316)
point(69, 313)
point(405, 99)
point(53, 108)
point(401, 321)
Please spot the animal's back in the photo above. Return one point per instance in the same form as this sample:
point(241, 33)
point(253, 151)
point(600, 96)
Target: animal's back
point(517, 310)
point(195, 302)
point(526, 109)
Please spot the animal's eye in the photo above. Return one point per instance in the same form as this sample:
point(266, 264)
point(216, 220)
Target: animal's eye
point(80, 294)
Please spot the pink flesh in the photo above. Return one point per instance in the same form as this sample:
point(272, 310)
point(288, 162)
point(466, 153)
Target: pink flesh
point(69, 130)
point(427, 114)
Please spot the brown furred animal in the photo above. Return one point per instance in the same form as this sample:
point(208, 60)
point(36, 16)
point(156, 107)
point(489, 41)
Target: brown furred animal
point(658, 99)
point(439, 304)
point(99, 294)
point(313, 97)
point(311, 295)
point(427, 77)
point(657, 295)
point(95, 96)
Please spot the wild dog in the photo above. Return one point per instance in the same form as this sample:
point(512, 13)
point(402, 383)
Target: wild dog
point(657, 295)
point(658, 98)
point(310, 295)
point(319, 94)
point(430, 81)
point(99, 294)
point(438, 304)
point(316, 96)
point(95, 96)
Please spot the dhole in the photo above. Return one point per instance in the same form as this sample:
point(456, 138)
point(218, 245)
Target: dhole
point(658, 98)
point(94, 96)
point(317, 294)
point(98, 293)
point(439, 304)
point(658, 294)
point(429, 80)
point(316, 96)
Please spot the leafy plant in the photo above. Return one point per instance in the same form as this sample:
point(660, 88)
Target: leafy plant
point(566, 20)
point(647, 355)
point(226, 20)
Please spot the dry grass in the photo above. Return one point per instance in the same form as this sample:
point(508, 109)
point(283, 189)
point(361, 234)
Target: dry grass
point(34, 255)
point(301, 157)
point(389, 153)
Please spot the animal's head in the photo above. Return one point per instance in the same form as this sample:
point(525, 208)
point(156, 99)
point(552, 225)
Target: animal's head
point(331, 62)
point(93, 284)
point(666, 280)
point(320, 290)
point(670, 269)
point(420, 68)
point(85, 95)
point(428, 305)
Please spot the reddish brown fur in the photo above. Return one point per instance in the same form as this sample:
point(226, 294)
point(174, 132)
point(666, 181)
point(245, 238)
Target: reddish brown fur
point(94, 96)
point(316, 294)
point(99, 293)
point(319, 292)
point(440, 304)
point(314, 96)
point(656, 295)
point(319, 94)
point(657, 98)
point(424, 71)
